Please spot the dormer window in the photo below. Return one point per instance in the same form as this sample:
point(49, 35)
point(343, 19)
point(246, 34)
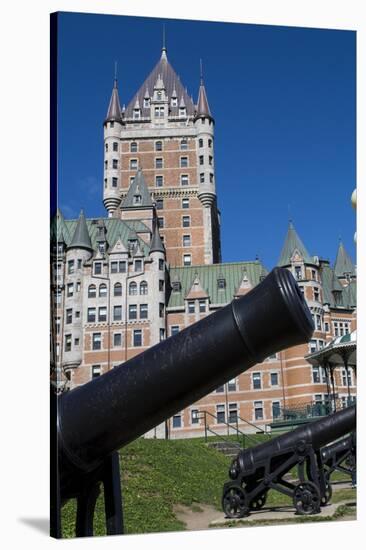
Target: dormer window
point(146, 102)
point(174, 102)
point(176, 286)
point(137, 199)
point(159, 112)
point(132, 244)
point(136, 113)
point(101, 247)
point(221, 283)
point(298, 272)
point(159, 95)
point(182, 111)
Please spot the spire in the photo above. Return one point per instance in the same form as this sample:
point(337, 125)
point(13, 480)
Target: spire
point(292, 243)
point(203, 109)
point(343, 262)
point(81, 238)
point(114, 109)
point(138, 195)
point(163, 49)
point(156, 242)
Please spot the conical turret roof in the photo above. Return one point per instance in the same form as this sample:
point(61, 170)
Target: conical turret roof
point(138, 187)
point(81, 237)
point(343, 262)
point(292, 243)
point(156, 242)
point(203, 109)
point(114, 110)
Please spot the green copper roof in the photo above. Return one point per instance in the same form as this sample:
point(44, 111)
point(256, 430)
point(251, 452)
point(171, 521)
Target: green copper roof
point(208, 276)
point(292, 243)
point(347, 295)
point(115, 228)
point(139, 188)
point(343, 262)
point(81, 237)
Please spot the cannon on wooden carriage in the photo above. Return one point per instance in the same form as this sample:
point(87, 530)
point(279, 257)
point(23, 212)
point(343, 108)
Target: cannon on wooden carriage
point(96, 419)
point(340, 457)
point(257, 470)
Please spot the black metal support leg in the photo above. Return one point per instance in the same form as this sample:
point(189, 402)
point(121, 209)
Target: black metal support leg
point(113, 495)
point(85, 510)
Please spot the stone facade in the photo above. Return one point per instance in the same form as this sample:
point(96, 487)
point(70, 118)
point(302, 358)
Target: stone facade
point(122, 283)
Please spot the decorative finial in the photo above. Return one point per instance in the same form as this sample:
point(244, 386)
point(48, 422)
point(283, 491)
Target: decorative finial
point(115, 74)
point(163, 49)
point(201, 71)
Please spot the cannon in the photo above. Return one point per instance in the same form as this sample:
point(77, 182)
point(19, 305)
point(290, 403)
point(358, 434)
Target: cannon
point(340, 456)
point(258, 469)
point(96, 419)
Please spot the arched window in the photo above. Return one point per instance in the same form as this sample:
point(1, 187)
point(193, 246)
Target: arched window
point(118, 289)
point(143, 287)
point(92, 291)
point(102, 290)
point(132, 289)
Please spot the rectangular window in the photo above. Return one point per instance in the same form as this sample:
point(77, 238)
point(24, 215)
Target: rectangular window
point(68, 316)
point(114, 182)
point(159, 181)
point(117, 339)
point(298, 272)
point(102, 314)
point(177, 421)
point(191, 306)
point(132, 311)
point(183, 162)
point(201, 159)
point(187, 259)
point(274, 378)
point(133, 164)
point(202, 306)
point(67, 342)
point(185, 203)
point(158, 146)
point(133, 147)
point(318, 322)
point(115, 164)
point(70, 289)
point(258, 410)
point(233, 412)
point(161, 264)
point(186, 240)
point(161, 310)
point(159, 203)
point(97, 340)
point(76, 341)
point(184, 179)
point(184, 144)
point(200, 142)
point(115, 146)
point(316, 375)
point(231, 385)
point(70, 266)
point(143, 311)
point(202, 177)
point(96, 371)
point(313, 274)
point(79, 263)
point(159, 162)
point(186, 221)
point(194, 416)
point(220, 389)
point(78, 286)
point(161, 285)
point(174, 330)
point(211, 177)
point(326, 327)
point(313, 346)
point(316, 294)
point(58, 325)
point(137, 338)
point(276, 409)
point(220, 414)
point(138, 265)
point(344, 377)
point(114, 267)
point(257, 380)
point(210, 142)
point(97, 268)
point(162, 334)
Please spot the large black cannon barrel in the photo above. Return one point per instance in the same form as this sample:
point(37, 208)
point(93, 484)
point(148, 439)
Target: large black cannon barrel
point(112, 410)
point(345, 444)
point(317, 434)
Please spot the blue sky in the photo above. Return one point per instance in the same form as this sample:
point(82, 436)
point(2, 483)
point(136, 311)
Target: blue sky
point(284, 103)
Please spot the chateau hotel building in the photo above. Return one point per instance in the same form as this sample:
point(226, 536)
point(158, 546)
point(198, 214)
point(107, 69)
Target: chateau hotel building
point(152, 266)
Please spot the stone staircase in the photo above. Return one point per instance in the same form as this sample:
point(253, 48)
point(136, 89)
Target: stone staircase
point(226, 447)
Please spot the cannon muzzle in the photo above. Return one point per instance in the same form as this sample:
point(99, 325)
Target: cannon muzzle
point(103, 415)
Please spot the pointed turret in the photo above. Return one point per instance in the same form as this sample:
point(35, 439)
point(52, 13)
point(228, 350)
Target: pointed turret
point(81, 237)
point(156, 242)
point(203, 109)
point(138, 195)
point(114, 110)
point(293, 243)
point(343, 264)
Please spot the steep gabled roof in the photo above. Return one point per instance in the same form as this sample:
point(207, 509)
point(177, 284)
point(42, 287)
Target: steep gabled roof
point(165, 71)
point(343, 263)
point(81, 237)
point(138, 187)
point(114, 109)
point(292, 243)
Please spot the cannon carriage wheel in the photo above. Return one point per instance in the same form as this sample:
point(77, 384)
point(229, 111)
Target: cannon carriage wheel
point(234, 501)
point(258, 502)
point(306, 498)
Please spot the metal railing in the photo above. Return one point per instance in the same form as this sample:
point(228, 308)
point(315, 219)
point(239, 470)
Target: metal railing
point(242, 438)
point(304, 412)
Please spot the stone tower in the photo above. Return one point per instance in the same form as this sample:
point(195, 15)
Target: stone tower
point(165, 135)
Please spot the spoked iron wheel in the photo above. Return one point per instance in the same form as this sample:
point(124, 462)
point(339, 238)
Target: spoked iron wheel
point(258, 502)
point(234, 502)
point(327, 494)
point(307, 498)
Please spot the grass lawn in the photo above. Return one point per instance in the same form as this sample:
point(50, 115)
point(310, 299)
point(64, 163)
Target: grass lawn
point(159, 474)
